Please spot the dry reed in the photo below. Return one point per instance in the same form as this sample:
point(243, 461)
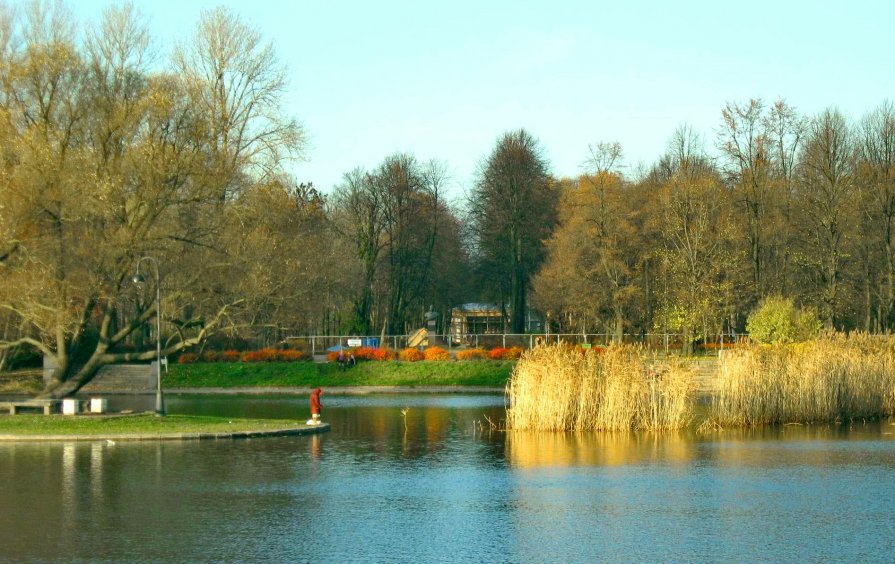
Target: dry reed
point(559, 388)
point(834, 378)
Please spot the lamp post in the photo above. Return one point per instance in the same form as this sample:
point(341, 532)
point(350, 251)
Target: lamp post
point(138, 279)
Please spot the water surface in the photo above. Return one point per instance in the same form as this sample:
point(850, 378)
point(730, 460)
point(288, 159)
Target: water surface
point(437, 485)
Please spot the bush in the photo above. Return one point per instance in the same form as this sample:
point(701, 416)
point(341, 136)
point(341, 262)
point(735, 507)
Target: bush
point(382, 354)
point(229, 356)
point(497, 354)
point(513, 353)
point(412, 355)
point(500, 353)
point(436, 353)
point(291, 355)
point(472, 354)
point(187, 358)
point(263, 355)
point(370, 353)
point(778, 320)
point(209, 356)
point(364, 353)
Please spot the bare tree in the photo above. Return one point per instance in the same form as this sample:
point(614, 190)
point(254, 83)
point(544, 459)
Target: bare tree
point(876, 179)
point(827, 195)
point(745, 146)
point(236, 84)
point(695, 227)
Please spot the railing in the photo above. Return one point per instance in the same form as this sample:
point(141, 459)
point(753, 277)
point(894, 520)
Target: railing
point(318, 344)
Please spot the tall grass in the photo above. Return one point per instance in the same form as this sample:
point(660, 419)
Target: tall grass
point(558, 388)
point(834, 378)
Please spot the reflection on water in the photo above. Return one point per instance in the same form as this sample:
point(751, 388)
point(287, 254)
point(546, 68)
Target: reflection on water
point(429, 485)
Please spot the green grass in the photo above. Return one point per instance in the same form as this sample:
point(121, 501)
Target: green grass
point(143, 424)
point(309, 374)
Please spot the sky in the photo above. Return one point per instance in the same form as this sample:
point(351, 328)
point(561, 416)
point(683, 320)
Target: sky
point(443, 80)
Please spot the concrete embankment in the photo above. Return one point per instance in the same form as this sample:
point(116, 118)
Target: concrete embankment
point(111, 437)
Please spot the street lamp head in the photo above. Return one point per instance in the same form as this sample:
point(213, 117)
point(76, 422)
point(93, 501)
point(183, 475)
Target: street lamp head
point(138, 279)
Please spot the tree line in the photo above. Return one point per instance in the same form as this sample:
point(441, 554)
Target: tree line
point(111, 154)
point(792, 205)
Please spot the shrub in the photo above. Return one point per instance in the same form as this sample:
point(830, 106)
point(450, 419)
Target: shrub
point(513, 353)
point(778, 320)
point(229, 356)
point(291, 355)
point(411, 355)
point(472, 354)
point(263, 355)
point(209, 356)
point(187, 358)
point(436, 353)
point(382, 354)
point(501, 353)
point(497, 354)
point(364, 353)
point(370, 353)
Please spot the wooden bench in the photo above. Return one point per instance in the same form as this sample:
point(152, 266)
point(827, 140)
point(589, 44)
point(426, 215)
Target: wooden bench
point(13, 407)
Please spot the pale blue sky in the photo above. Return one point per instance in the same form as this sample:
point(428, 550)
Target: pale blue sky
point(444, 80)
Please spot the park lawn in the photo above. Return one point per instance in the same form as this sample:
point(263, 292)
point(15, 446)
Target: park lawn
point(142, 424)
point(481, 373)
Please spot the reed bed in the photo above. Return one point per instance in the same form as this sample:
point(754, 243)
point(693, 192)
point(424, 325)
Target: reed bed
point(834, 378)
point(560, 388)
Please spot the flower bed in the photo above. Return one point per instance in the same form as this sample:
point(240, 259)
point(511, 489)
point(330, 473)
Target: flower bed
point(436, 353)
point(472, 354)
point(412, 355)
point(263, 355)
point(501, 353)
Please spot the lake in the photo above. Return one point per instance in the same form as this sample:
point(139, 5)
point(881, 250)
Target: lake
point(437, 484)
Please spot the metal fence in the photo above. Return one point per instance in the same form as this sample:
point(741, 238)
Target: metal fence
point(319, 344)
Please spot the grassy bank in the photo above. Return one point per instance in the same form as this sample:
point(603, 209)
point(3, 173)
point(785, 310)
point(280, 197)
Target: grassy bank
point(24, 425)
point(309, 374)
point(558, 388)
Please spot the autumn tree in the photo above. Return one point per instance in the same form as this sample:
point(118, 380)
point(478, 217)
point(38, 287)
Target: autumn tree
point(285, 260)
point(512, 210)
point(694, 222)
point(107, 161)
point(593, 256)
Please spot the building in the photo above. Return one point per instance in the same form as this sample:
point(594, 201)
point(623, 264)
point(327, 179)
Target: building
point(487, 319)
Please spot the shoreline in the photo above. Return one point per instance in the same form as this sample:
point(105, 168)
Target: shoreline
point(145, 427)
point(336, 390)
point(138, 437)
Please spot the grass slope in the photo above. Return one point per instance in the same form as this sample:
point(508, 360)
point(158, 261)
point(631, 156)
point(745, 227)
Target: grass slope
point(308, 374)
